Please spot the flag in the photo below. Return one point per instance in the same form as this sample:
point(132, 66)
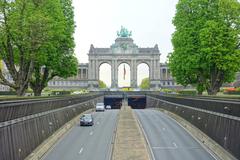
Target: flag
point(124, 72)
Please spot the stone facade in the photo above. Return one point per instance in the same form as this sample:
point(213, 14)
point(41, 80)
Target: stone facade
point(166, 78)
point(124, 51)
point(78, 82)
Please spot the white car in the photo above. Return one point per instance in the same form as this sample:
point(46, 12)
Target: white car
point(100, 107)
point(108, 107)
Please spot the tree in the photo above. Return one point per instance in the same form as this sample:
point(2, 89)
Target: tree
point(57, 59)
point(23, 30)
point(145, 83)
point(206, 43)
point(102, 84)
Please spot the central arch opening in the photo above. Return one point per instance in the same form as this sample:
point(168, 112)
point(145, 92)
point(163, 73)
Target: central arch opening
point(124, 75)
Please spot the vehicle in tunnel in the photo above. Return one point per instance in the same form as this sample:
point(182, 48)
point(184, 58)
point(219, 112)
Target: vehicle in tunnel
point(100, 107)
point(86, 120)
point(108, 107)
point(114, 102)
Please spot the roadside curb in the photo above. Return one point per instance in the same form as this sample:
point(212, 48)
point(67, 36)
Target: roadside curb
point(208, 143)
point(48, 144)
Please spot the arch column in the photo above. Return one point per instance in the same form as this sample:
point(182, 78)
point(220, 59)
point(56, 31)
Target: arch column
point(114, 74)
point(155, 74)
point(93, 81)
point(133, 74)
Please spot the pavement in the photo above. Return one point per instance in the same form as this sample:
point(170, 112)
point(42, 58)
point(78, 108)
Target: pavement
point(87, 142)
point(129, 142)
point(140, 135)
point(168, 140)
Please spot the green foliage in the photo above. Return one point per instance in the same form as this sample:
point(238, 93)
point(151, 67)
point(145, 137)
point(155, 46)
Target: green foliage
point(167, 90)
point(187, 92)
point(58, 58)
point(25, 31)
point(206, 43)
point(126, 89)
point(145, 84)
point(102, 84)
point(7, 93)
point(61, 92)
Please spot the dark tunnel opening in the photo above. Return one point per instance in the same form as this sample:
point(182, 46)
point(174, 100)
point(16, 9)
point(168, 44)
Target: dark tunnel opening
point(115, 103)
point(137, 102)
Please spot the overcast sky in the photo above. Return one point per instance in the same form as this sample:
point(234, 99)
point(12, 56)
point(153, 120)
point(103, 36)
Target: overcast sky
point(97, 22)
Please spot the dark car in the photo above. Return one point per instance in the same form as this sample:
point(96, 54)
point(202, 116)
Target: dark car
point(86, 120)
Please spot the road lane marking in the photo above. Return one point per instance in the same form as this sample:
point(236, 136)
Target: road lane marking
point(186, 130)
point(164, 148)
point(185, 148)
point(98, 122)
point(91, 133)
point(175, 145)
point(145, 135)
point(164, 129)
point(80, 152)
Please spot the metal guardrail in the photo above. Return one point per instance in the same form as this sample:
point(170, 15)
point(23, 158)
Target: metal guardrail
point(18, 109)
point(219, 106)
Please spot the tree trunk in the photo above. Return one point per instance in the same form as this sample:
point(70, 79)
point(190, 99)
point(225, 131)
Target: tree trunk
point(200, 93)
point(213, 90)
point(37, 91)
point(215, 83)
point(21, 91)
point(39, 82)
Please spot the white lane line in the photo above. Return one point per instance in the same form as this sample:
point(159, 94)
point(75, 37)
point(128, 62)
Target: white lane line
point(98, 122)
point(185, 148)
point(164, 129)
point(164, 148)
point(80, 152)
point(91, 133)
point(195, 138)
point(175, 145)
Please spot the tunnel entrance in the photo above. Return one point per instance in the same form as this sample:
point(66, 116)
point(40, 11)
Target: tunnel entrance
point(114, 102)
point(137, 102)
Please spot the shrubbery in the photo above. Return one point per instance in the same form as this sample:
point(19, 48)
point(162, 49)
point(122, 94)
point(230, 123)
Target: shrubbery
point(62, 92)
point(235, 91)
point(8, 93)
point(188, 92)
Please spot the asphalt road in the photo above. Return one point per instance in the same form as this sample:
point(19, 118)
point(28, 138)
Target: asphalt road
point(87, 142)
point(168, 140)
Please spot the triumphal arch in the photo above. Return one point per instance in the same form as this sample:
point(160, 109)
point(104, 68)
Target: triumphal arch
point(124, 51)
